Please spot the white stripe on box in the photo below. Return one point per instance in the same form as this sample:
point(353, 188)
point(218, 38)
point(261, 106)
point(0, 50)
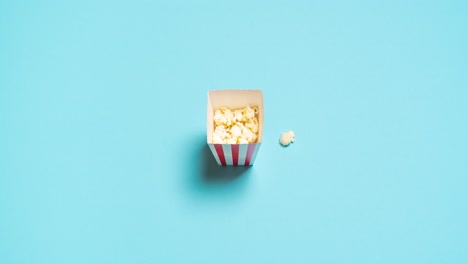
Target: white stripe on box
point(227, 153)
point(215, 154)
point(254, 155)
point(242, 154)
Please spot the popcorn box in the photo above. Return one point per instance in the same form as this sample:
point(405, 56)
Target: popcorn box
point(234, 154)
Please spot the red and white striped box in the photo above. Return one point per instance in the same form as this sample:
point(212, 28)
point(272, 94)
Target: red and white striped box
point(234, 154)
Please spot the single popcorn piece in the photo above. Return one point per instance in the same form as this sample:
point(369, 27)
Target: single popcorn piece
point(217, 139)
point(228, 116)
point(230, 141)
point(252, 124)
point(218, 117)
point(287, 138)
point(219, 134)
point(248, 134)
point(239, 126)
point(249, 112)
point(238, 117)
point(242, 140)
point(236, 131)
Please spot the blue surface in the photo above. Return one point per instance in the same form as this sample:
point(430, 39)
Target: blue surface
point(102, 132)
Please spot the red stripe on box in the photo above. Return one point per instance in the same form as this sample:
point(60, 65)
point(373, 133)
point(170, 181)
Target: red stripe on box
point(235, 154)
point(219, 150)
point(250, 152)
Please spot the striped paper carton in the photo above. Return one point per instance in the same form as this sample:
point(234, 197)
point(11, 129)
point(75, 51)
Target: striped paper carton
point(234, 154)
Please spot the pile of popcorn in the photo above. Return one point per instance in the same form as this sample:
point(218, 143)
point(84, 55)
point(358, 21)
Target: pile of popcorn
point(238, 126)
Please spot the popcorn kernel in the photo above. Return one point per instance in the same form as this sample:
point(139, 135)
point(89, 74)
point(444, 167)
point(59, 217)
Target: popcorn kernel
point(287, 138)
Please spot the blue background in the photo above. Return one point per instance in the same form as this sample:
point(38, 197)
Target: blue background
point(103, 156)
